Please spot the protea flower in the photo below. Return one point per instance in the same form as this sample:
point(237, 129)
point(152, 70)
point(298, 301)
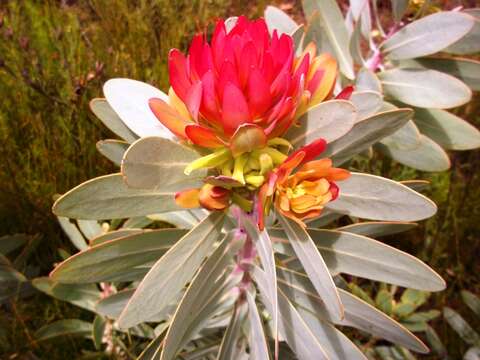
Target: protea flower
point(303, 194)
point(241, 91)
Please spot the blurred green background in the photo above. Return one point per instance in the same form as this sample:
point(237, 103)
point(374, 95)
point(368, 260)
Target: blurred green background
point(54, 58)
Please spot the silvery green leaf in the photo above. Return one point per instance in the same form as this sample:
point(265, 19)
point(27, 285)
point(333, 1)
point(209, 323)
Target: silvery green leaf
point(182, 219)
point(109, 258)
point(417, 185)
point(466, 70)
point(447, 130)
point(425, 88)
point(365, 133)
point(9, 243)
point(174, 269)
point(361, 256)
point(367, 103)
point(137, 222)
point(85, 296)
point(146, 166)
point(98, 331)
point(361, 14)
point(201, 299)
point(314, 265)
point(325, 218)
point(472, 354)
point(470, 43)
point(264, 247)
point(398, 8)
point(378, 229)
point(257, 340)
point(90, 228)
point(298, 39)
point(435, 343)
point(113, 305)
point(355, 44)
point(277, 19)
point(461, 327)
point(428, 156)
point(405, 138)
point(113, 235)
point(129, 99)
point(291, 326)
point(73, 327)
point(329, 120)
point(427, 35)
point(72, 232)
point(113, 150)
point(367, 80)
point(228, 347)
point(331, 20)
point(108, 197)
point(377, 198)
point(110, 119)
point(358, 313)
point(472, 301)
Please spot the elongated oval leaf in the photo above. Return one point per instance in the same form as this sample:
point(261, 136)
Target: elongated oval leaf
point(108, 197)
point(428, 156)
point(278, 20)
point(129, 99)
point(267, 257)
point(313, 264)
point(64, 327)
point(328, 120)
point(228, 347)
point(461, 327)
point(331, 21)
point(85, 296)
point(367, 103)
point(358, 314)
point(377, 198)
point(378, 229)
point(405, 138)
point(466, 70)
point(368, 81)
point(169, 274)
point(365, 133)
point(361, 256)
point(428, 35)
point(155, 163)
point(72, 232)
point(470, 43)
point(113, 150)
point(291, 326)
point(110, 119)
point(208, 286)
point(113, 256)
point(112, 235)
point(257, 340)
point(425, 88)
point(447, 130)
point(398, 8)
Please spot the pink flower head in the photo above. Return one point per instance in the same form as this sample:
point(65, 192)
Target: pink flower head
point(243, 77)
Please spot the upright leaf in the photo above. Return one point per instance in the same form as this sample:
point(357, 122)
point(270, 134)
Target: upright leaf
point(331, 21)
point(257, 340)
point(398, 8)
point(425, 88)
point(72, 232)
point(108, 197)
point(201, 297)
point(228, 346)
point(461, 327)
point(313, 264)
point(377, 198)
point(145, 165)
point(367, 80)
point(169, 274)
point(278, 20)
point(428, 35)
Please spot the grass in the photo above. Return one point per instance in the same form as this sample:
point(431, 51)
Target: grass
point(54, 58)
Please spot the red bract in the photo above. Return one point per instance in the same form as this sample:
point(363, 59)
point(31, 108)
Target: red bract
point(243, 76)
